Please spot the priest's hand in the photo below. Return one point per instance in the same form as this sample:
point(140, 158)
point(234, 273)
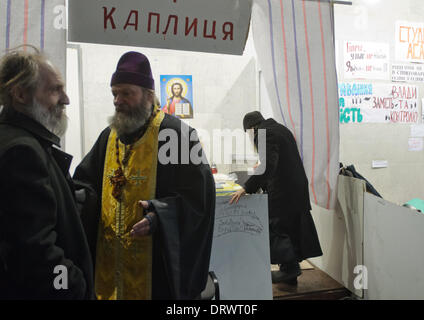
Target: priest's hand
point(146, 225)
point(237, 195)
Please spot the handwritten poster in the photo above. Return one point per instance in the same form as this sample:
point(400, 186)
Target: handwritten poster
point(240, 249)
point(177, 95)
point(409, 41)
point(366, 60)
point(378, 103)
point(407, 72)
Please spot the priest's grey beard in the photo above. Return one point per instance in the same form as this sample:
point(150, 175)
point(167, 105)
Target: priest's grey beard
point(54, 120)
point(129, 122)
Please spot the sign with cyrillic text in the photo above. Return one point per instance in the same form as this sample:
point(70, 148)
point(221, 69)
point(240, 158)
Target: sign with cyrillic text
point(366, 60)
point(378, 103)
point(218, 26)
point(409, 40)
point(407, 72)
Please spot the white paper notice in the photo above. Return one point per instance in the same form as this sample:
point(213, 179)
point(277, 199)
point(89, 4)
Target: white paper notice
point(407, 72)
point(366, 60)
point(380, 163)
point(415, 144)
point(417, 130)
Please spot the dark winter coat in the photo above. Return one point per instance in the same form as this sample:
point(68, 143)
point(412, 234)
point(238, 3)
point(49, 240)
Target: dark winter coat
point(40, 229)
point(292, 229)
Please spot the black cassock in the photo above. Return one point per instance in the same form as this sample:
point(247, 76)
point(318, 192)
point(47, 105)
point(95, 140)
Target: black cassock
point(292, 230)
point(185, 207)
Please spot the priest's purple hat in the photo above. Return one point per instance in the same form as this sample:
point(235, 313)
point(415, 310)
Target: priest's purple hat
point(134, 68)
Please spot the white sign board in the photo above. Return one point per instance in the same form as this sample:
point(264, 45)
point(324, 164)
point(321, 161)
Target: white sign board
point(409, 41)
point(240, 249)
point(218, 26)
point(408, 72)
point(366, 60)
point(378, 103)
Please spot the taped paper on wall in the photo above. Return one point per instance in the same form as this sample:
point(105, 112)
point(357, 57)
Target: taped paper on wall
point(415, 144)
point(417, 130)
point(380, 163)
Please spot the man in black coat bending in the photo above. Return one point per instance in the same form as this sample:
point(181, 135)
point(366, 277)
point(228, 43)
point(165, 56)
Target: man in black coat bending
point(292, 232)
point(44, 253)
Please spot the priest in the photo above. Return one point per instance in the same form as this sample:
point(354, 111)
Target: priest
point(148, 201)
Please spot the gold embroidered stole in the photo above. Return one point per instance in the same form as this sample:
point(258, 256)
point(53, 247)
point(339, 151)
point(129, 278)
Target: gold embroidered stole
point(124, 264)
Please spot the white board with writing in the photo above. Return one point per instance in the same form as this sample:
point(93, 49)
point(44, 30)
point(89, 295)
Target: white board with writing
point(218, 26)
point(240, 249)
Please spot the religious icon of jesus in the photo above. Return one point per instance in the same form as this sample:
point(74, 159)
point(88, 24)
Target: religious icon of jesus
point(177, 103)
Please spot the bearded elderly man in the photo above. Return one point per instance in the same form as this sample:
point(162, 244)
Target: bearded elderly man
point(44, 253)
point(150, 228)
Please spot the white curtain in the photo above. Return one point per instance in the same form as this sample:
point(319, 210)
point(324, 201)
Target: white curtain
point(294, 41)
point(41, 23)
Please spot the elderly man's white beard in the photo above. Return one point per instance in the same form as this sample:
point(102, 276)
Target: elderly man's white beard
point(129, 122)
point(54, 120)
